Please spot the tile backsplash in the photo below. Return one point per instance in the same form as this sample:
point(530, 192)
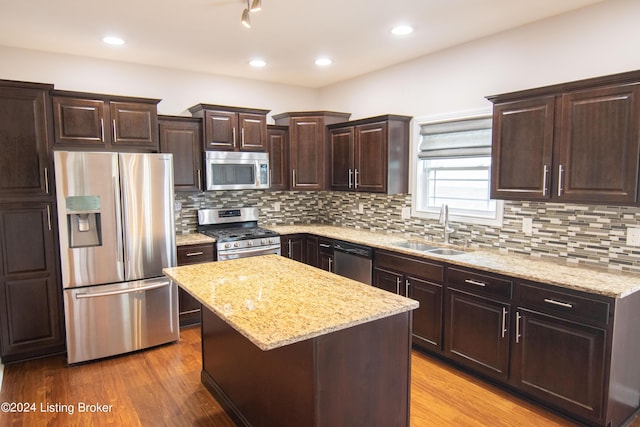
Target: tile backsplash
point(581, 234)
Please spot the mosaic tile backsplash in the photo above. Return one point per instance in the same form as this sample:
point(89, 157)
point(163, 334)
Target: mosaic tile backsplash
point(588, 235)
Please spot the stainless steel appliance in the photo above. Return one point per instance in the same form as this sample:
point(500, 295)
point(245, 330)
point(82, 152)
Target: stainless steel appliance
point(237, 233)
point(353, 261)
point(235, 170)
point(116, 225)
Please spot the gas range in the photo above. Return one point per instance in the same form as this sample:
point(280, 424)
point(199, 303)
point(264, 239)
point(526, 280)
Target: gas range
point(237, 233)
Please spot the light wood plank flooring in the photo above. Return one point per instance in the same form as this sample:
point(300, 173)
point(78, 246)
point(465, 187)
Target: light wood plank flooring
point(161, 387)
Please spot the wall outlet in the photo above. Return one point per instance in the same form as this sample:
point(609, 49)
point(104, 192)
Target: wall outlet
point(527, 226)
point(360, 208)
point(633, 236)
point(276, 207)
point(406, 212)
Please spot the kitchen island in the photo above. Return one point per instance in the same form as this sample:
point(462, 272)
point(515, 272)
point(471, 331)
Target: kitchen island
point(287, 344)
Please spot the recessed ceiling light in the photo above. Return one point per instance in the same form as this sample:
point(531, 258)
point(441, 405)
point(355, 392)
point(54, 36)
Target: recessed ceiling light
point(257, 63)
point(402, 30)
point(116, 41)
point(323, 62)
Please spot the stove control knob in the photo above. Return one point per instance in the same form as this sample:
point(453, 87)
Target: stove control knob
point(263, 241)
point(235, 245)
point(227, 245)
point(249, 243)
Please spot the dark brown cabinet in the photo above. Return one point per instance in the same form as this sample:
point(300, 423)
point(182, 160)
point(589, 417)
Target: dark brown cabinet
point(86, 121)
point(325, 254)
point(477, 313)
point(420, 280)
point(278, 148)
point(370, 155)
point(293, 246)
point(182, 136)
point(308, 147)
point(576, 142)
point(188, 307)
point(232, 128)
point(31, 322)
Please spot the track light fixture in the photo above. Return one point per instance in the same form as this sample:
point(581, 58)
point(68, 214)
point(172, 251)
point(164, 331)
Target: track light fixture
point(252, 6)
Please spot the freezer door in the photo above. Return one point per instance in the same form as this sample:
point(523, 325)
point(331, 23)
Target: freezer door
point(88, 196)
point(148, 219)
point(114, 319)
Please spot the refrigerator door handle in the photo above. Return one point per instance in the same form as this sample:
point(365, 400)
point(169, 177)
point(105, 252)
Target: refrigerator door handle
point(116, 201)
point(124, 291)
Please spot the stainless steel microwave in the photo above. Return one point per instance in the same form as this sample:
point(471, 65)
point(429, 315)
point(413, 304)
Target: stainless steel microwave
point(235, 170)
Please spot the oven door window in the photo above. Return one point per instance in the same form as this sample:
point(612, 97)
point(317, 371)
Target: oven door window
point(233, 174)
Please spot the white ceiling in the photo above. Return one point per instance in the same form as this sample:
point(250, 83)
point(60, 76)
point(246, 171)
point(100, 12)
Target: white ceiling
point(207, 36)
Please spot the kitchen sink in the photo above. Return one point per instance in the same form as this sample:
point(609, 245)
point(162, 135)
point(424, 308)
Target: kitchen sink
point(417, 246)
point(445, 251)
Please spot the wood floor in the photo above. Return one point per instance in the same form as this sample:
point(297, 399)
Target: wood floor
point(161, 387)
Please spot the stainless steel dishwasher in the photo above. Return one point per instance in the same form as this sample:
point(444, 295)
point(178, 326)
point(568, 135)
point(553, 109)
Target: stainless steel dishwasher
point(353, 261)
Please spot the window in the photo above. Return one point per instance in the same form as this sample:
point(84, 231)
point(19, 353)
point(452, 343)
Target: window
point(453, 166)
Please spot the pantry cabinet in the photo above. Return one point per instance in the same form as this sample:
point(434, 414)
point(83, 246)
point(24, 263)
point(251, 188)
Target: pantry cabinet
point(577, 142)
point(370, 155)
point(232, 128)
point(308, 147)
point(90, 121)
point(182, 137)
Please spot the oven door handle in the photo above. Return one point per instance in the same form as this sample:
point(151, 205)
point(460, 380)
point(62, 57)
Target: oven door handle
point(244, 252)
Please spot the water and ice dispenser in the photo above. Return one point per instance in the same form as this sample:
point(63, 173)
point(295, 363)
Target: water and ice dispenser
point(83, 221)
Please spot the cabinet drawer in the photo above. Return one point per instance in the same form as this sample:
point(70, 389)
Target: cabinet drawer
point(410, 266)
point(325, 246)
point(481, 284)
point(564, 304)
point(194, 254)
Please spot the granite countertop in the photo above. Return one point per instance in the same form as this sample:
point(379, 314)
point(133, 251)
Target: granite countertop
point(599, 281)
point(193, 239)
point(274, 301)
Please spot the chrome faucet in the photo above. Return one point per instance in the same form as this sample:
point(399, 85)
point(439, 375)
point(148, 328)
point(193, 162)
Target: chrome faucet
point(444, 220)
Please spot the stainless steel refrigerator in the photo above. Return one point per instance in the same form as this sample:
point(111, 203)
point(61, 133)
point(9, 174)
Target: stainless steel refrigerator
point(116, 225)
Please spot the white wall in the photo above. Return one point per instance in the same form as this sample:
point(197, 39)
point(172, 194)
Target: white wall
point(178, 90)
point(598, 40)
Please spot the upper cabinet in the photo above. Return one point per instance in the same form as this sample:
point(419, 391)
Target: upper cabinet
point(85, 121)
point(309, 147)
point(576, 142)
point(370, 155)
point(182, 136)
point(232, 128)
point(278, 149)
point(24, 140)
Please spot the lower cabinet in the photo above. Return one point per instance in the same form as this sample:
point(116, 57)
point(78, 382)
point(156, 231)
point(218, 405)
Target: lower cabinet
point(325, 254)
point(419, 280)
point(189, 307)
point(293, 246)
point(31, 320)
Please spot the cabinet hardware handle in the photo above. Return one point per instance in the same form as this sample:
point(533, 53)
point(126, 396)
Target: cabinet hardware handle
point(49, 216)
point(560, 173)
point(330, 264)
point(242, 137)
point(102, 130)
point(195, 253)
point(518, 317)
point(199, 180)
point(561, 304)
point(46, 180)
point(504, 321)
point(325, 245)
point(475, 282)
point(233, 133)
point(289, 245)
point(294, 178)
point(115, 135)
point(545, 172)
point(355, 180)
point(407, 283)
point(398, 280)
point(350, 178)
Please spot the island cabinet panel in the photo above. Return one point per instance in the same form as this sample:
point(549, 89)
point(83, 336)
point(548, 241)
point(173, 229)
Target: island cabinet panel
point(419, 280)
point(92, 121)
point(573, 142)
point(355, 376)
point(182, 137)
point(278, 148)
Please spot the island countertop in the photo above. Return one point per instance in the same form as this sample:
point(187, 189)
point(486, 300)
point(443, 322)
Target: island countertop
point(274, 301)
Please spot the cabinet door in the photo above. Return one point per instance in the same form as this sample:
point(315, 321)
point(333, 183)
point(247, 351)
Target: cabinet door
point(427, 319)
point(278, 148)
point(599, 145)
point(311, 250)
point(522, 149)
point(342, 145)
point(24, 147)
point(188, 307)
point(560, 362)
point(184, 140)
point(80, 122)
point(253, 132)
point(30, 294)
point(134, 124)
point(220, 130)
point(307, 153)
point(387, 280)
point(371, 157)
point(476, 333)
point(292, 247)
